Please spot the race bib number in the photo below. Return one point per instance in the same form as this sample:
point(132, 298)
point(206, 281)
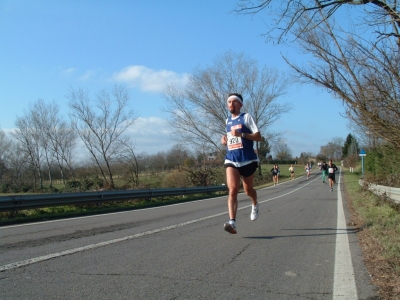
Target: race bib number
point(331, 170)
point(234, 142)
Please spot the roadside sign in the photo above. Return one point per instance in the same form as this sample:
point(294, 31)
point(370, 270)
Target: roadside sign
point(362, 154)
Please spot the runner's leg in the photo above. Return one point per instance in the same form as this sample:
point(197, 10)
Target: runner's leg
point(233, 181)
point(248, 185)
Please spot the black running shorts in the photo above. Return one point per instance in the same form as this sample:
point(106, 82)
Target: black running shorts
point(246, 170)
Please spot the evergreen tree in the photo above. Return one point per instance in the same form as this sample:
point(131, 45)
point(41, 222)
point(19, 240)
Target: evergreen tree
point(350, 146)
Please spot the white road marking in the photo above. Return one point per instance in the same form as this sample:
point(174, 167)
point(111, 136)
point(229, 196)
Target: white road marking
point(344, 285)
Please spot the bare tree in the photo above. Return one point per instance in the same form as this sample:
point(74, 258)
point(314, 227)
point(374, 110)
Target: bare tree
point(338, 143)
point(199, 110)
point(332, 150)
point(286, 15)
point(176, 156)
point(305, 157)
point(282, 150)
point(130, 162)
point(101, 124)
point(5, 145)
point(58, 136)
point(327, 151)
point(364, 76)
point(363, 73)
point(28, 134)
point(54, 139)
point(18, 165)
point(157, 162)
point(39, 116)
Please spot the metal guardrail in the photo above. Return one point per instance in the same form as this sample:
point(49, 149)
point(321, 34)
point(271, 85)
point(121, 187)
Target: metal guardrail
point(392, 193)
point(12, 203)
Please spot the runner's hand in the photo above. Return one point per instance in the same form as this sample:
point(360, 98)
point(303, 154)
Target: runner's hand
point(224, 140)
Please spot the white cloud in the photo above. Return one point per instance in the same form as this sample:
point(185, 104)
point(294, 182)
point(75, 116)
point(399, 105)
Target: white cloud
point(151, 135)
point(88, 75)
point(150, 80)
point(68, 71)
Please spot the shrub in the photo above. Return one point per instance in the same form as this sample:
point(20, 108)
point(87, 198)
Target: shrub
point(176, 178)
point(381, 165)
point(4, 188)
point(73, 184)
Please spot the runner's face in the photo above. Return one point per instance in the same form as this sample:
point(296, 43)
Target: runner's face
point(234, 106)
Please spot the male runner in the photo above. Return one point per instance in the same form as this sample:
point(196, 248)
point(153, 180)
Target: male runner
point(241, 159)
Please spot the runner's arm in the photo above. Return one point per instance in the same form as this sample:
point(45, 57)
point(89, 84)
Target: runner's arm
point(253, 136)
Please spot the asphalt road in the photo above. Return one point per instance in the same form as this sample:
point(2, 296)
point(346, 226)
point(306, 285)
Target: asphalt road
point(299, 248)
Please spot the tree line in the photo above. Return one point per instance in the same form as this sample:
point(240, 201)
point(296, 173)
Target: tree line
point(43, 148)
point(43, 143)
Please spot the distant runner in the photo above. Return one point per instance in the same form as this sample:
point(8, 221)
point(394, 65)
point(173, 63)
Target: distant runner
point(279, 174)
point(291, 170)
point(331, 173)
point(308, 170)
point(274, 172)
point(324, 169)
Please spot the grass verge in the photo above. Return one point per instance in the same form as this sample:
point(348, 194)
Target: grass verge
point(378, 221)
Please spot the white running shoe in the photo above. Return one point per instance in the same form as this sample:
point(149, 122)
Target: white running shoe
point(254, 212)
point(230, 227)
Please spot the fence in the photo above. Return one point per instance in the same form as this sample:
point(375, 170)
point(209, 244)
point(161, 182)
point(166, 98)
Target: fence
point(392, 193)
point(13, 203)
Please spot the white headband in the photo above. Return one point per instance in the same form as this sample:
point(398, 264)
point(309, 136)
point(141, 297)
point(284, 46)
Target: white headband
point(234, 97)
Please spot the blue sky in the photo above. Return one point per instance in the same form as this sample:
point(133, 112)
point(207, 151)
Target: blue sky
point(49, 46)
